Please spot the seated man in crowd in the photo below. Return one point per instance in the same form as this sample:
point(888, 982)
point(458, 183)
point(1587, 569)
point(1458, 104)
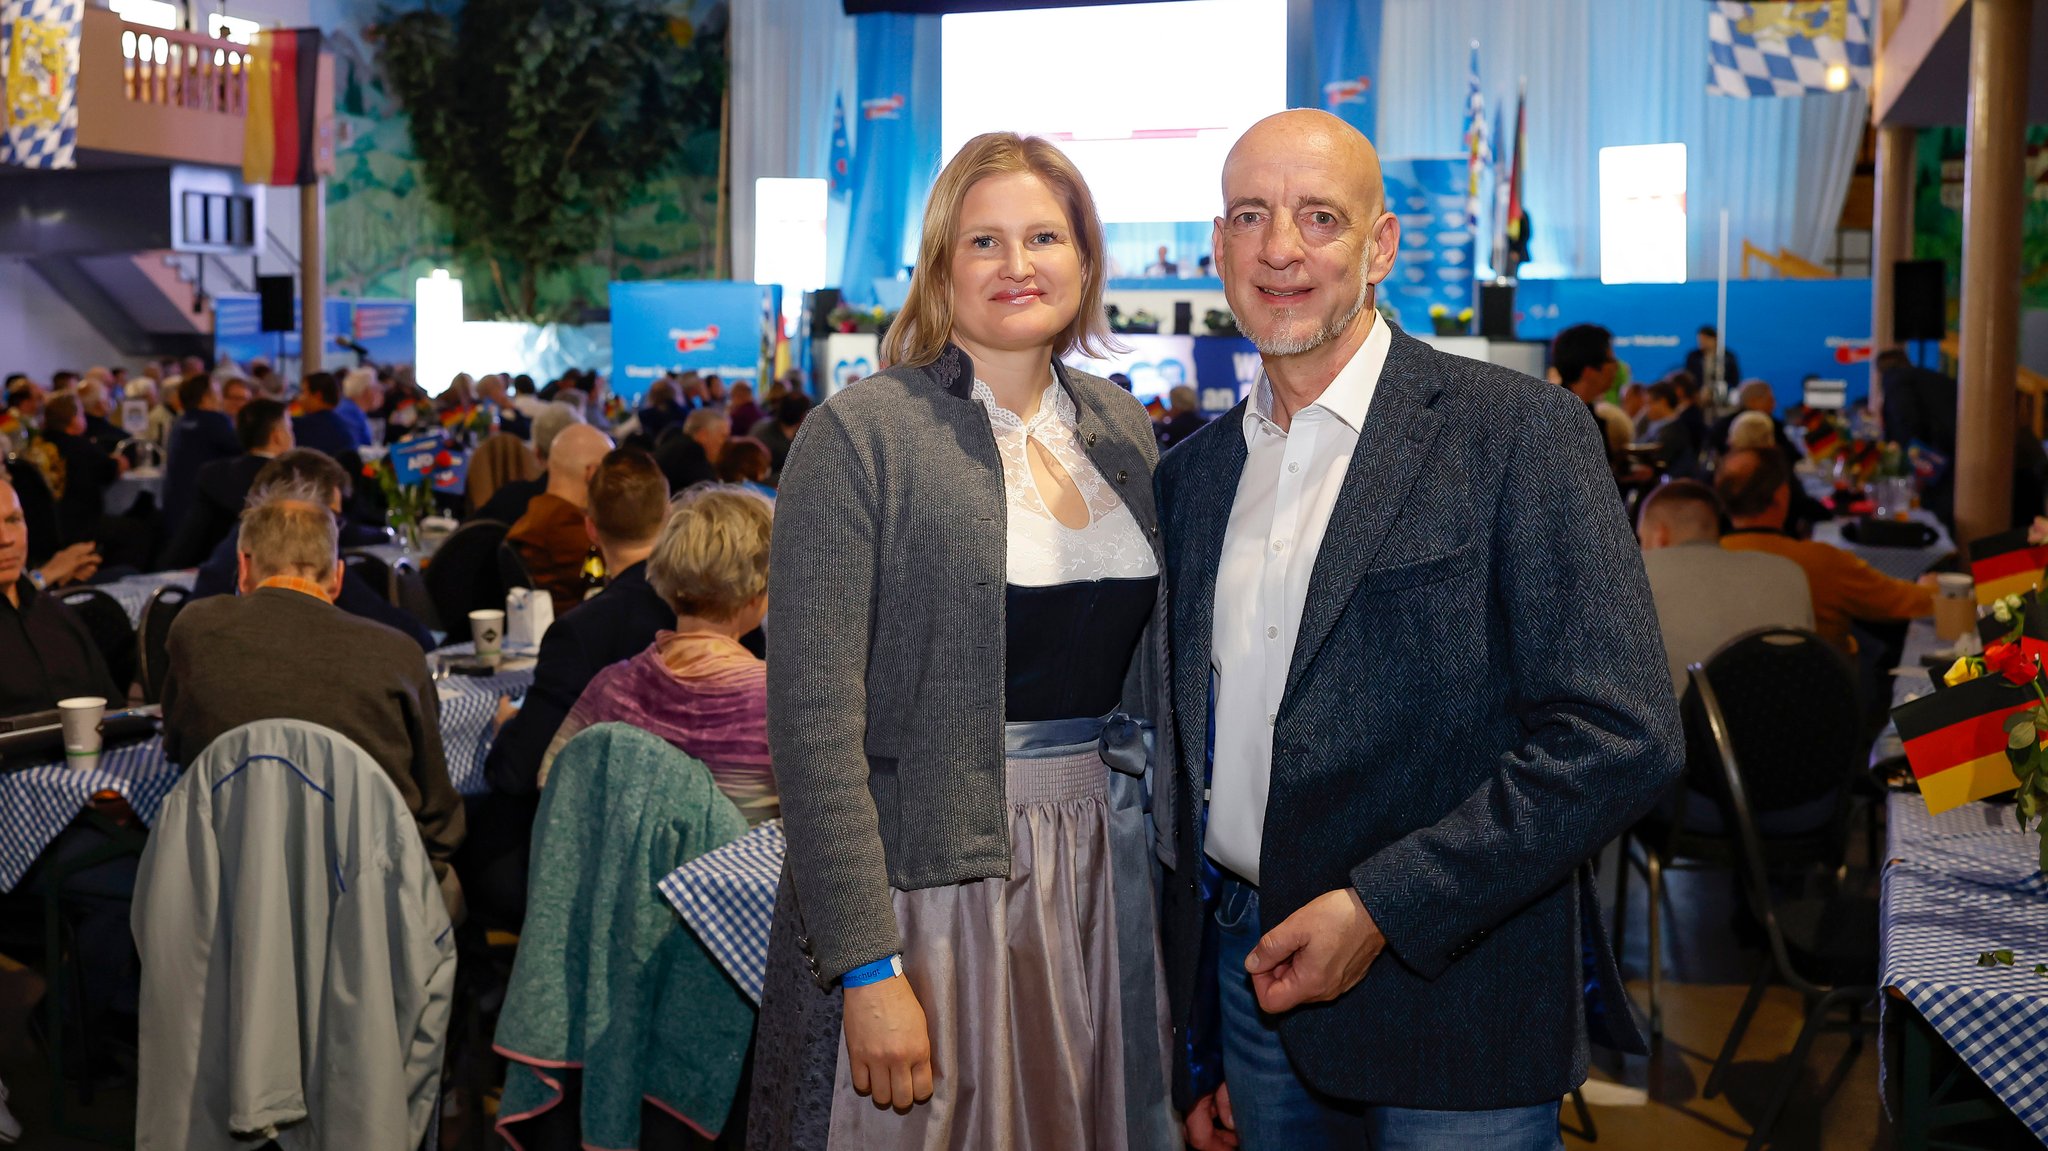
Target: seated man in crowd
point(234, 393)
point(511, 500)
point(550, 537)
point(362, 394)
point(319, 426)
point(202, 435)
point(306, 468)
point(46, 653)
point(779, 431)
point(1756, 487)
point(628, 500)
point(1675, 448)
point(1755, 396)
point(88, 471)
point(230, 665)
point(692, 457)
point(265, 431)
point(1707, 595)
point(696, 686)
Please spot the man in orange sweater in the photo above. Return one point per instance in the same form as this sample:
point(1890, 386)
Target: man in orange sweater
point(1756, 486)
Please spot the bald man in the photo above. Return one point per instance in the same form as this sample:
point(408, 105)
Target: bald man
point(1423, 728)
point(550, 536)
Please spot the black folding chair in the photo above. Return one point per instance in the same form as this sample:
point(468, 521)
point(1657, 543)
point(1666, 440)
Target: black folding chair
point(1826, 948)
point(112, 634)
point(157, 615)
point(372, 569)
point(409, 594)
point(464, 575)
point(512, 567)
point(1798, 728)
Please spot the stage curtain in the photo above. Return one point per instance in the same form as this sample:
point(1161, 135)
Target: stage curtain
point(1611, 72)
point(789, 59)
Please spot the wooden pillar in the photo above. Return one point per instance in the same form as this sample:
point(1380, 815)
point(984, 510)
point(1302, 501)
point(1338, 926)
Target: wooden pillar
point(1994, 197)
point(312, 276)
point(1893, 241)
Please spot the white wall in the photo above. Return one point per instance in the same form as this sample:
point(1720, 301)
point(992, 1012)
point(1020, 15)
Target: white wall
point(40, 334)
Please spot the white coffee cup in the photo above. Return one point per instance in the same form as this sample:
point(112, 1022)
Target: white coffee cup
point(487, 632)
point(81, 718)
point(1955, 585)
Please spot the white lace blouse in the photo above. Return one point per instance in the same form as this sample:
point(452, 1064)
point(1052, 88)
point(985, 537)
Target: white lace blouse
point(1042, 550)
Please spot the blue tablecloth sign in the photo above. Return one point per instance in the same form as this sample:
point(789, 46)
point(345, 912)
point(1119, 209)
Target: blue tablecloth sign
point(727, 897)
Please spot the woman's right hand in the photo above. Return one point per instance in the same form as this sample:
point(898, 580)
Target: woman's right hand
point(888, 1047)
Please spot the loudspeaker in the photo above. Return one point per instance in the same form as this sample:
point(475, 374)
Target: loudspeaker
point(820, 304)
point(1919, 299)
point(1183, 317)
point(1497, 311)
point(275, 293)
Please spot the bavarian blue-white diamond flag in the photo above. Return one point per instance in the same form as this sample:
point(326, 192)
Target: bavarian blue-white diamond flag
point(1787, 49)
point(39, 58)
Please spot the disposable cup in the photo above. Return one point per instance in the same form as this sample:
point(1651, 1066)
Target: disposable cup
point(81, 717)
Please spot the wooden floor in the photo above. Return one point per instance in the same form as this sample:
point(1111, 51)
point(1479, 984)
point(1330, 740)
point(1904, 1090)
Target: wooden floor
point(1649, 1103)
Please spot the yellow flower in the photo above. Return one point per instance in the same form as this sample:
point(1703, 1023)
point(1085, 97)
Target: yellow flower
point(1963, 672)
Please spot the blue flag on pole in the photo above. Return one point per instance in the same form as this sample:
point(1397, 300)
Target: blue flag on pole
point(840, 169)
point(1478, 149)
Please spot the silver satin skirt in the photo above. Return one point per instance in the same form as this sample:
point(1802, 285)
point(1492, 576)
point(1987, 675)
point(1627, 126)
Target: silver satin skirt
point(1043, 992)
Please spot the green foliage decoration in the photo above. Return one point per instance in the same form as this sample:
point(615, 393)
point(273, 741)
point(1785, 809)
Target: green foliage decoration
point(536, 121)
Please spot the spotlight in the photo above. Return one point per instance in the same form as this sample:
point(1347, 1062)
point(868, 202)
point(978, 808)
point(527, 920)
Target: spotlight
point(1837, 78)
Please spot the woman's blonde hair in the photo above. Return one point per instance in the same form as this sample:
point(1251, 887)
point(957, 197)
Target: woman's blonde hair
point(925, 324)
point(712, 557)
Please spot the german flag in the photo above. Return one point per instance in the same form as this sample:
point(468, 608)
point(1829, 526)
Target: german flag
point(2033, 618)
point(1955, 739)
point(2006, 564)
point(277, 132)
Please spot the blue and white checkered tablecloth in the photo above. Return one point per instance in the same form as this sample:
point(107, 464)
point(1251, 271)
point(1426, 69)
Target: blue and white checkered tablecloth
point(39, 802)
point(727, 897)
point(134, 591)
point(36, 804)
point(1898, 563)
point(1966, 882)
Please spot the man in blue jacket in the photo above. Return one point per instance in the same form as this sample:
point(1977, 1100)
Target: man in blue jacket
point(1413, 724)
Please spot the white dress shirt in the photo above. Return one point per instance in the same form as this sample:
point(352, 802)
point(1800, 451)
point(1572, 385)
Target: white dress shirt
point(1290, 483)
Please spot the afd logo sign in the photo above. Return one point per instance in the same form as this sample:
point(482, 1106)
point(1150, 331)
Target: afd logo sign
point(847, 371)
point(1338, 92)
point(883, 108)
point(703, 339)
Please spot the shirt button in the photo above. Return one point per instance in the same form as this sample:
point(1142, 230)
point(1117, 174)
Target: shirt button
point(1293, 467)
point(1272, 633)
point(1270, 718)
point(1279, 545)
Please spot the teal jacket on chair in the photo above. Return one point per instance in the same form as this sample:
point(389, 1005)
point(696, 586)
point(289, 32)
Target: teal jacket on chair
point(608, 980)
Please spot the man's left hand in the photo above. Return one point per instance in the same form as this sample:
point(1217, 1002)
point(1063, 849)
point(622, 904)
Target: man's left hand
point(506, 710)
point(1316, 954)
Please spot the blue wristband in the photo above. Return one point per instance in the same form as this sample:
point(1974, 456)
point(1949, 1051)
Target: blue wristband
point(874, 972)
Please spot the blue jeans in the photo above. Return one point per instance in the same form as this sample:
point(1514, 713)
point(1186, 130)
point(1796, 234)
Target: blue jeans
point(1276, 1111)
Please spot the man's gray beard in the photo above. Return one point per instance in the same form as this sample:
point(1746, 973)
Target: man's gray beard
point(1315, 339)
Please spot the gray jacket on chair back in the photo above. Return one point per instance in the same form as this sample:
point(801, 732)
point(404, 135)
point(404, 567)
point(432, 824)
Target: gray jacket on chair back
point(1476, 703)
point(885, 641)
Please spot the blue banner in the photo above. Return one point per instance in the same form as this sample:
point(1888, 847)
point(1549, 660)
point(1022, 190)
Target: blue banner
point(895, 144)
point(1348, 60)
point(1434, 269)
point(238, 329)
point(385, 329)
point(704, 326)
point(1781, 331)
point(412, 460)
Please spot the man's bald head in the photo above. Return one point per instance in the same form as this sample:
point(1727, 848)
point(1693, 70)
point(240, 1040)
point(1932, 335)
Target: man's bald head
point(1304, 236)
point(1290, 136)
point(574, 456)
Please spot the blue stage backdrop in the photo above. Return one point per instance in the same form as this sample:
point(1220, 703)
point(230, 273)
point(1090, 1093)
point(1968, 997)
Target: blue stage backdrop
point(895, 144)
point(386, 330)
point(1780, 330)
point(238, 324)
point(700, 326)
point(1435, 264)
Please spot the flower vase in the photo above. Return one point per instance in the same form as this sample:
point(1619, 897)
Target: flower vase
point(405, 530)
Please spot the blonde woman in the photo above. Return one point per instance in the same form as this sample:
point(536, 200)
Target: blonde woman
point(962, 594)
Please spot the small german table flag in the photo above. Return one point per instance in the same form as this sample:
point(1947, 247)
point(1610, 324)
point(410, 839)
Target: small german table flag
point(2006, 564)
point(1955, 739)
point(277, 130)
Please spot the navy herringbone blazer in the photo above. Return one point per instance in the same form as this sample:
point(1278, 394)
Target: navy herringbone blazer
point(1477, 702)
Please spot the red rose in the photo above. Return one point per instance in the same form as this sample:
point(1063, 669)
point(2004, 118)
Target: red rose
point(2009, 661)
point(443, 460)
point(369, 471)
